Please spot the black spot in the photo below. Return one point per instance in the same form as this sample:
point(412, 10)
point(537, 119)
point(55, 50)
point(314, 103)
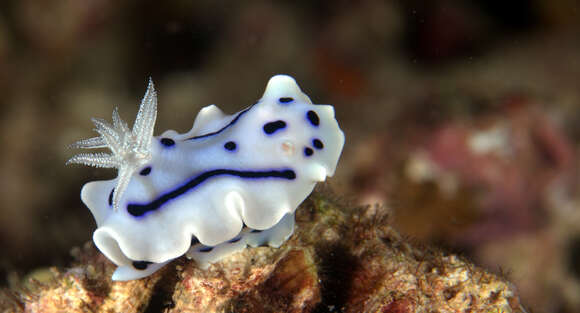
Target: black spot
point(308, 151)
point(111, 197)
point(205, 249)
point(285, 100)
point(230, 145)
point(317, 144)
point(141, 265)
point(234, 240)
point(194, 240)
point(256, 231)
point(313, 118)
point(146, 171)
point(272, 127)
point(168, 142)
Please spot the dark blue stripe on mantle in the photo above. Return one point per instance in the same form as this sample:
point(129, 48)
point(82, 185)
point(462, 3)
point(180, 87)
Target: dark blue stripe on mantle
point(223, 128)
point(139, 210)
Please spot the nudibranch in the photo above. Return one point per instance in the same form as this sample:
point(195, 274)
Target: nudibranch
point(231, 181)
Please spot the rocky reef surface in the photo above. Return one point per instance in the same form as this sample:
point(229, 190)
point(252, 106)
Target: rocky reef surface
point(340, 259)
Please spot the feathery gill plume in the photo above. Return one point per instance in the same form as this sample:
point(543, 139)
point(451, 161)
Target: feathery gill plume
point(130, 149)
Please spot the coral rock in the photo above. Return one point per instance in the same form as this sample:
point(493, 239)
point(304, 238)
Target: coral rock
point(339, 260)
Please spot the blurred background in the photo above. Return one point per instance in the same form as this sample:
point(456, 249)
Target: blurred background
point(462, 117)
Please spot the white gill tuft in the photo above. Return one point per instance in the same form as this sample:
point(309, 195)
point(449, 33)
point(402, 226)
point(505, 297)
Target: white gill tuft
point(130, 149)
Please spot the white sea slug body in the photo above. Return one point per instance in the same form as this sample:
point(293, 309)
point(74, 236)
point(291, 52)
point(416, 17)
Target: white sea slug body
point(231, 181)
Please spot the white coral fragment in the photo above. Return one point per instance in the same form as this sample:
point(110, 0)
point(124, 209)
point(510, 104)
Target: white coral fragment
point(130, 149)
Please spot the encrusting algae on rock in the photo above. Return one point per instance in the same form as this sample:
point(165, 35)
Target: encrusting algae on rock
point(339, 260)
